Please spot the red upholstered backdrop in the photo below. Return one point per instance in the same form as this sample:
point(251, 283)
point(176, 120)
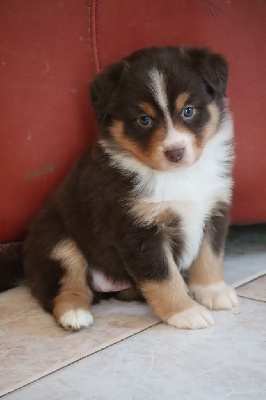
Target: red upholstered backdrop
point(49, 52)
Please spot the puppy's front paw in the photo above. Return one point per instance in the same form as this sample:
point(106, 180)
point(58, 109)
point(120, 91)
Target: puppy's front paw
point(215, 297)
point(192, 318)
point(76, 319)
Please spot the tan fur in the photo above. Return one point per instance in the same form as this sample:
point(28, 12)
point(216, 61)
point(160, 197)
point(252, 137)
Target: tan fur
point(74, 292)
point(150, 156)
point(149, 213)
point(167, 297)
point(212, 125)
point(181, 101)
point(207, 268)
point(148, 109)
point(206, 284)
point(166, 217)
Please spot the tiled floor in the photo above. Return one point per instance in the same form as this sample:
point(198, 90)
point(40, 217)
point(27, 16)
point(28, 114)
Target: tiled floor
point(225, 362)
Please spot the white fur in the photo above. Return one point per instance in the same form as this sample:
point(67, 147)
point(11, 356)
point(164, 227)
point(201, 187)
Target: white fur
point(101, 283)
point(215, 297)
point(76, 319)
point(158, 88)
point(192, 318)
point(190, 191)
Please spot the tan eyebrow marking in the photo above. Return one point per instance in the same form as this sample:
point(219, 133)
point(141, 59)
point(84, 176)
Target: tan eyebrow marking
point(181, 100)
point(147, 108)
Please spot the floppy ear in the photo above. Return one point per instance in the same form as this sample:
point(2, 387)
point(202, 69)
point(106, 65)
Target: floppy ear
point(213, 68)
point(102, 88)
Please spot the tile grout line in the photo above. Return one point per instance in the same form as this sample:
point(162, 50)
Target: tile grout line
point(250, 298)
point(77, 360)
point(248, 279)
point(236, 285)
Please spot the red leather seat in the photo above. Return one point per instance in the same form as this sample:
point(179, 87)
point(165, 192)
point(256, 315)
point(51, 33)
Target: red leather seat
point(50, 51)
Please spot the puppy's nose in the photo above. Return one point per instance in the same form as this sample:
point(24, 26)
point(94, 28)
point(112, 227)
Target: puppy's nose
point(175, 155)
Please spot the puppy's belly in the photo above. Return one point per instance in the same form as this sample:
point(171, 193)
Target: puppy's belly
point(101, 283)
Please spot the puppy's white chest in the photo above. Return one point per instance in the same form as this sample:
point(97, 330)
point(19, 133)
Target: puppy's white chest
point(192, 220)
point(191, 200)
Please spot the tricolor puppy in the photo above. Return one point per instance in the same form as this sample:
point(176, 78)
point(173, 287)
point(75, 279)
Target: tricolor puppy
point(148, 200)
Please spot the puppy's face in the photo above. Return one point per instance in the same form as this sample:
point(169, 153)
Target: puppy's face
point(161, 104)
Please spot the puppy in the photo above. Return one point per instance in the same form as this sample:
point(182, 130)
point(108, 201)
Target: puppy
point(148, 200)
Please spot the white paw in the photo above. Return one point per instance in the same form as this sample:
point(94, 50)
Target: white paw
point(76, 319)
point(215, 297)
point(192, 318)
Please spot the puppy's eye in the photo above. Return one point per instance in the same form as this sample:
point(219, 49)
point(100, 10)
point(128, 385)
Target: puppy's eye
point(188, 112)
point(145, 120)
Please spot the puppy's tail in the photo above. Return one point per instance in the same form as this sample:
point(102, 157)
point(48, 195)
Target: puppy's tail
point(11, 271)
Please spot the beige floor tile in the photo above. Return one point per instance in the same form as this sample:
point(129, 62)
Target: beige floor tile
point(255, 289)
point(224, 362)
point(32, 345)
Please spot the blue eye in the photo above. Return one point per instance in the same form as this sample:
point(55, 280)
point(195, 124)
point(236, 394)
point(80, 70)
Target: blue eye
point(188, 112)
point(145, 120)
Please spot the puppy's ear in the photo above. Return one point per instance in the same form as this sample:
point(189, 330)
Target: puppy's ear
point(103, 87)
point(213, 68)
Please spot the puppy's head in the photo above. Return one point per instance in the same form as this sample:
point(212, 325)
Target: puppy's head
point(161, 104)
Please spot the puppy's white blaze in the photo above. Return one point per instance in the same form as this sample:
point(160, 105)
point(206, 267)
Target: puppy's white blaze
point(193, 318)
point(192, 223)
point(76, 319)
point(175, 137)
point(158, 88)
point(215, 297)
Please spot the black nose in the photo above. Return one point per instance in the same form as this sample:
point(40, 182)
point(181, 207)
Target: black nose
point(175, 155)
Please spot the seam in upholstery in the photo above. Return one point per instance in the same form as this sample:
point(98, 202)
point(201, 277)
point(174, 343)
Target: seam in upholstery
point(93, 35)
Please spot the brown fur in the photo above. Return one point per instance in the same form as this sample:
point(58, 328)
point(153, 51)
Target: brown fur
point(130, 294)
point(150, 213)
point(198, 142)
point(169, 296)
point(74, 292)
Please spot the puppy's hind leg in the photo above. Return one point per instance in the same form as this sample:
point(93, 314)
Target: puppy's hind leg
point(72, 304)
